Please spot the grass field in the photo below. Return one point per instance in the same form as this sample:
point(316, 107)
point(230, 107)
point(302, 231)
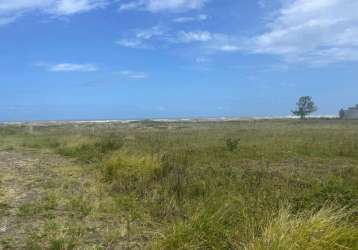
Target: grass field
point(251, 185)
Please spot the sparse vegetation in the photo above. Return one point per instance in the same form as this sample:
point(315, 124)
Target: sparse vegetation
point(284, 184)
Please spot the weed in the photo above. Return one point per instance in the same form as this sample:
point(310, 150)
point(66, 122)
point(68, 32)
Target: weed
point(62, 244)
point(232, 144)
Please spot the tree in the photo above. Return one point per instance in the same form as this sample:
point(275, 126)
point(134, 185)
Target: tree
point(305, 106)
point(342, 113)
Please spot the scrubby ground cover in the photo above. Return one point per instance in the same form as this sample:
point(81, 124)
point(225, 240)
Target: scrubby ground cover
point(282, 184)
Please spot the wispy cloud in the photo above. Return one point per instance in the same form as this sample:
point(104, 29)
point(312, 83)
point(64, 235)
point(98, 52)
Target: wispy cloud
point(319, 32)
point(301, 31)
point(131, 5)
point(213, 42)
point(68, 67)
point(202, 60)
point(63, 67)
point(226, 47)
point(69, 7)
point(133, 75)
point(150, 38)
point(7, 19)
point(140, 37)
point(146, 34)
point(133, 43)
point(188, 19)
point(161, 5)
point(193, 36)
point(11, 10)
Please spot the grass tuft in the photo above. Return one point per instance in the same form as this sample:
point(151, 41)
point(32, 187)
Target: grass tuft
point(328, 229)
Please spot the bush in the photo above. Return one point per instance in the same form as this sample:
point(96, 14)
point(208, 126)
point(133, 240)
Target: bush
point(91, 150)
point(232, 144)
point(128, 174)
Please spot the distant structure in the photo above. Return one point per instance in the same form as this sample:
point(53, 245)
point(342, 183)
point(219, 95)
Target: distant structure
point(350, 113)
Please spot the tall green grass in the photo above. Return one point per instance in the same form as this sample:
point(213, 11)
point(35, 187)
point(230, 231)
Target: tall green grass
point(328, 229)
point(216, 185)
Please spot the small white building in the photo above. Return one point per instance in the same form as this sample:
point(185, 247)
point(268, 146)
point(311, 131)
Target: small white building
point(350, 113)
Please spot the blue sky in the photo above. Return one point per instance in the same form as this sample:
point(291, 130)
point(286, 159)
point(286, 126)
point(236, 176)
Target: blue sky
point(124, 59)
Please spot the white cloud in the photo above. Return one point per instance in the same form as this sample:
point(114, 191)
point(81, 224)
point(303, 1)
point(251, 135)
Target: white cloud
point(157, 37)
point(68, 67)
point(187, 19)
point(223, 43)
point(131, 43)
point(69, 7)
point(10, 10)
point(227, 47)
point(163, 5)
point(140, 37)
point(63, 67)
point(133, 75)
point(320, 31)
point(19, 5)
point(193, 36)
point(131, 5)
point(150, 38)
point(146, 34)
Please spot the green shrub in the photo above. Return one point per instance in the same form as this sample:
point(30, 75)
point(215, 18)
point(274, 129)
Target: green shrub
point(232, 144)
point(92, 149)
point(129, 174)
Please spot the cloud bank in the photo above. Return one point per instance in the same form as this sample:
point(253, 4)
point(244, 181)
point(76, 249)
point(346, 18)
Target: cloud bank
point(10, 10)
point(319, 31)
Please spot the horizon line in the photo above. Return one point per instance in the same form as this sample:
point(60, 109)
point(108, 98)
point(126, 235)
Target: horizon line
point(170, 119)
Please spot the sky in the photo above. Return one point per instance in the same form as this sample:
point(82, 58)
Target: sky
point(139, 59)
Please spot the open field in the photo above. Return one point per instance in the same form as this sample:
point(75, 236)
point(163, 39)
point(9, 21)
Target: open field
point(253, 185)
